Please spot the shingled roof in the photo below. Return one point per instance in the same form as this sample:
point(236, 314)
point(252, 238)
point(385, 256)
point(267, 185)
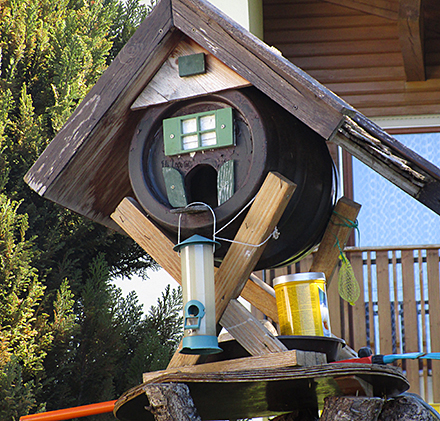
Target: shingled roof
point(85, 167)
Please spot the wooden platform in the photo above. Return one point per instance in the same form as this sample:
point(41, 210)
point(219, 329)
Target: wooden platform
point(266, 392)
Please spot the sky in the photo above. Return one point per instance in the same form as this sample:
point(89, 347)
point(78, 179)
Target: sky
point(148, 290)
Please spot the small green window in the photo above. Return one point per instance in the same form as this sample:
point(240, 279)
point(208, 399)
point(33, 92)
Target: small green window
point(197, 132)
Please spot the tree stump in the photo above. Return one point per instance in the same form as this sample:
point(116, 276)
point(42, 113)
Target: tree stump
point(405, 408)
point(350, 408)
point(171, 402)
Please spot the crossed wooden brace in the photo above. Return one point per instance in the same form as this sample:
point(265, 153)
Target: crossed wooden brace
point(233, 277)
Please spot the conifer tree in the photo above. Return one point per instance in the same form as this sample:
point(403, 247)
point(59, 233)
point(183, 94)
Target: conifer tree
point(59, 314)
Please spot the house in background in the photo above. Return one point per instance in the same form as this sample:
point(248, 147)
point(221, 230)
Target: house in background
point(383, 58)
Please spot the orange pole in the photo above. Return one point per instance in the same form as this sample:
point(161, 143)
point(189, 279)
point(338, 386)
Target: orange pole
point(69, 413)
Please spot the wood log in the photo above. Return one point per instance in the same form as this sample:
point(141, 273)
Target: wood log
point(171, 402)
point(406, 407)
point(351, 408)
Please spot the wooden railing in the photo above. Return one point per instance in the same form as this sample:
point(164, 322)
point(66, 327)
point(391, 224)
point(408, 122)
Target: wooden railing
point(398, 310)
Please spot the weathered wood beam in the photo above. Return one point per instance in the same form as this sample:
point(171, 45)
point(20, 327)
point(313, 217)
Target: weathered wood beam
point(411, 39)
point(130, 216)
point(259, 223)
point(132, 219)
point(292, 358)
point(370, 144)
point(262, 296)
point(249, 332)
point(341, 224)
point(129, 73)
point(243, 255)
point(383, 8)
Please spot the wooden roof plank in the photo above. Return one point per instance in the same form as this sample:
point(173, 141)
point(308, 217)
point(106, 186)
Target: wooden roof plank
point(411, 38)
point(252, 59)
point(140, 52)
point(282, 22)
point(352, 61)
point(314, 9)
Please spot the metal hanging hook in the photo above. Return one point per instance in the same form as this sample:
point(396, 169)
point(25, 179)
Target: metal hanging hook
point(187, 209)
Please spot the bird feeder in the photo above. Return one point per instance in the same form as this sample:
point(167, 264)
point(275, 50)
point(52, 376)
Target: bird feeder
point(197, 262)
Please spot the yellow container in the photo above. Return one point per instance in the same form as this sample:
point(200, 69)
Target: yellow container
point(302, 304)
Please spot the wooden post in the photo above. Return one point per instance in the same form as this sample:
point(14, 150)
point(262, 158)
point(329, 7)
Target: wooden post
point(249, 332)
point(337, 232)
point(410, 318)
point(434, 317)
point(242, 256)
point(171, 402)
point(132, 219)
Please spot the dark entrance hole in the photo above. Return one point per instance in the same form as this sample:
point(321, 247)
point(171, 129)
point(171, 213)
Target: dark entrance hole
point(201, 185)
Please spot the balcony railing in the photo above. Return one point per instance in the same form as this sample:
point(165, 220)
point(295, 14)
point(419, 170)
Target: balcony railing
point(398, 310)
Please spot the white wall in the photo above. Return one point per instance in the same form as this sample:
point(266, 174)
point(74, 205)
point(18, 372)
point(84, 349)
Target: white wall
point(247, 13)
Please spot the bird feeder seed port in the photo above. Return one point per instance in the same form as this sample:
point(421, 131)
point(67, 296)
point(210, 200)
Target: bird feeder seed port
point(197, 263)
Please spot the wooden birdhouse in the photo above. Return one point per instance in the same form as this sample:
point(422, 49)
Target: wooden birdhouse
point(195, 109)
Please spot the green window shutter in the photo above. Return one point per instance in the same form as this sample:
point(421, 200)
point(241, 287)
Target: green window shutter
point(197, 132)
point(225, 182)
point(172, 136)
point(224, 127)
point(175, 187)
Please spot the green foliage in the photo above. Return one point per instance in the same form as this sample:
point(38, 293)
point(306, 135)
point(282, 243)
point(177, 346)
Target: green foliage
point(67, 337)
point(20, 292)
point(16, 396)
point(130, 14)
point(114, 344)
point(26, 333)
point(158, 337)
